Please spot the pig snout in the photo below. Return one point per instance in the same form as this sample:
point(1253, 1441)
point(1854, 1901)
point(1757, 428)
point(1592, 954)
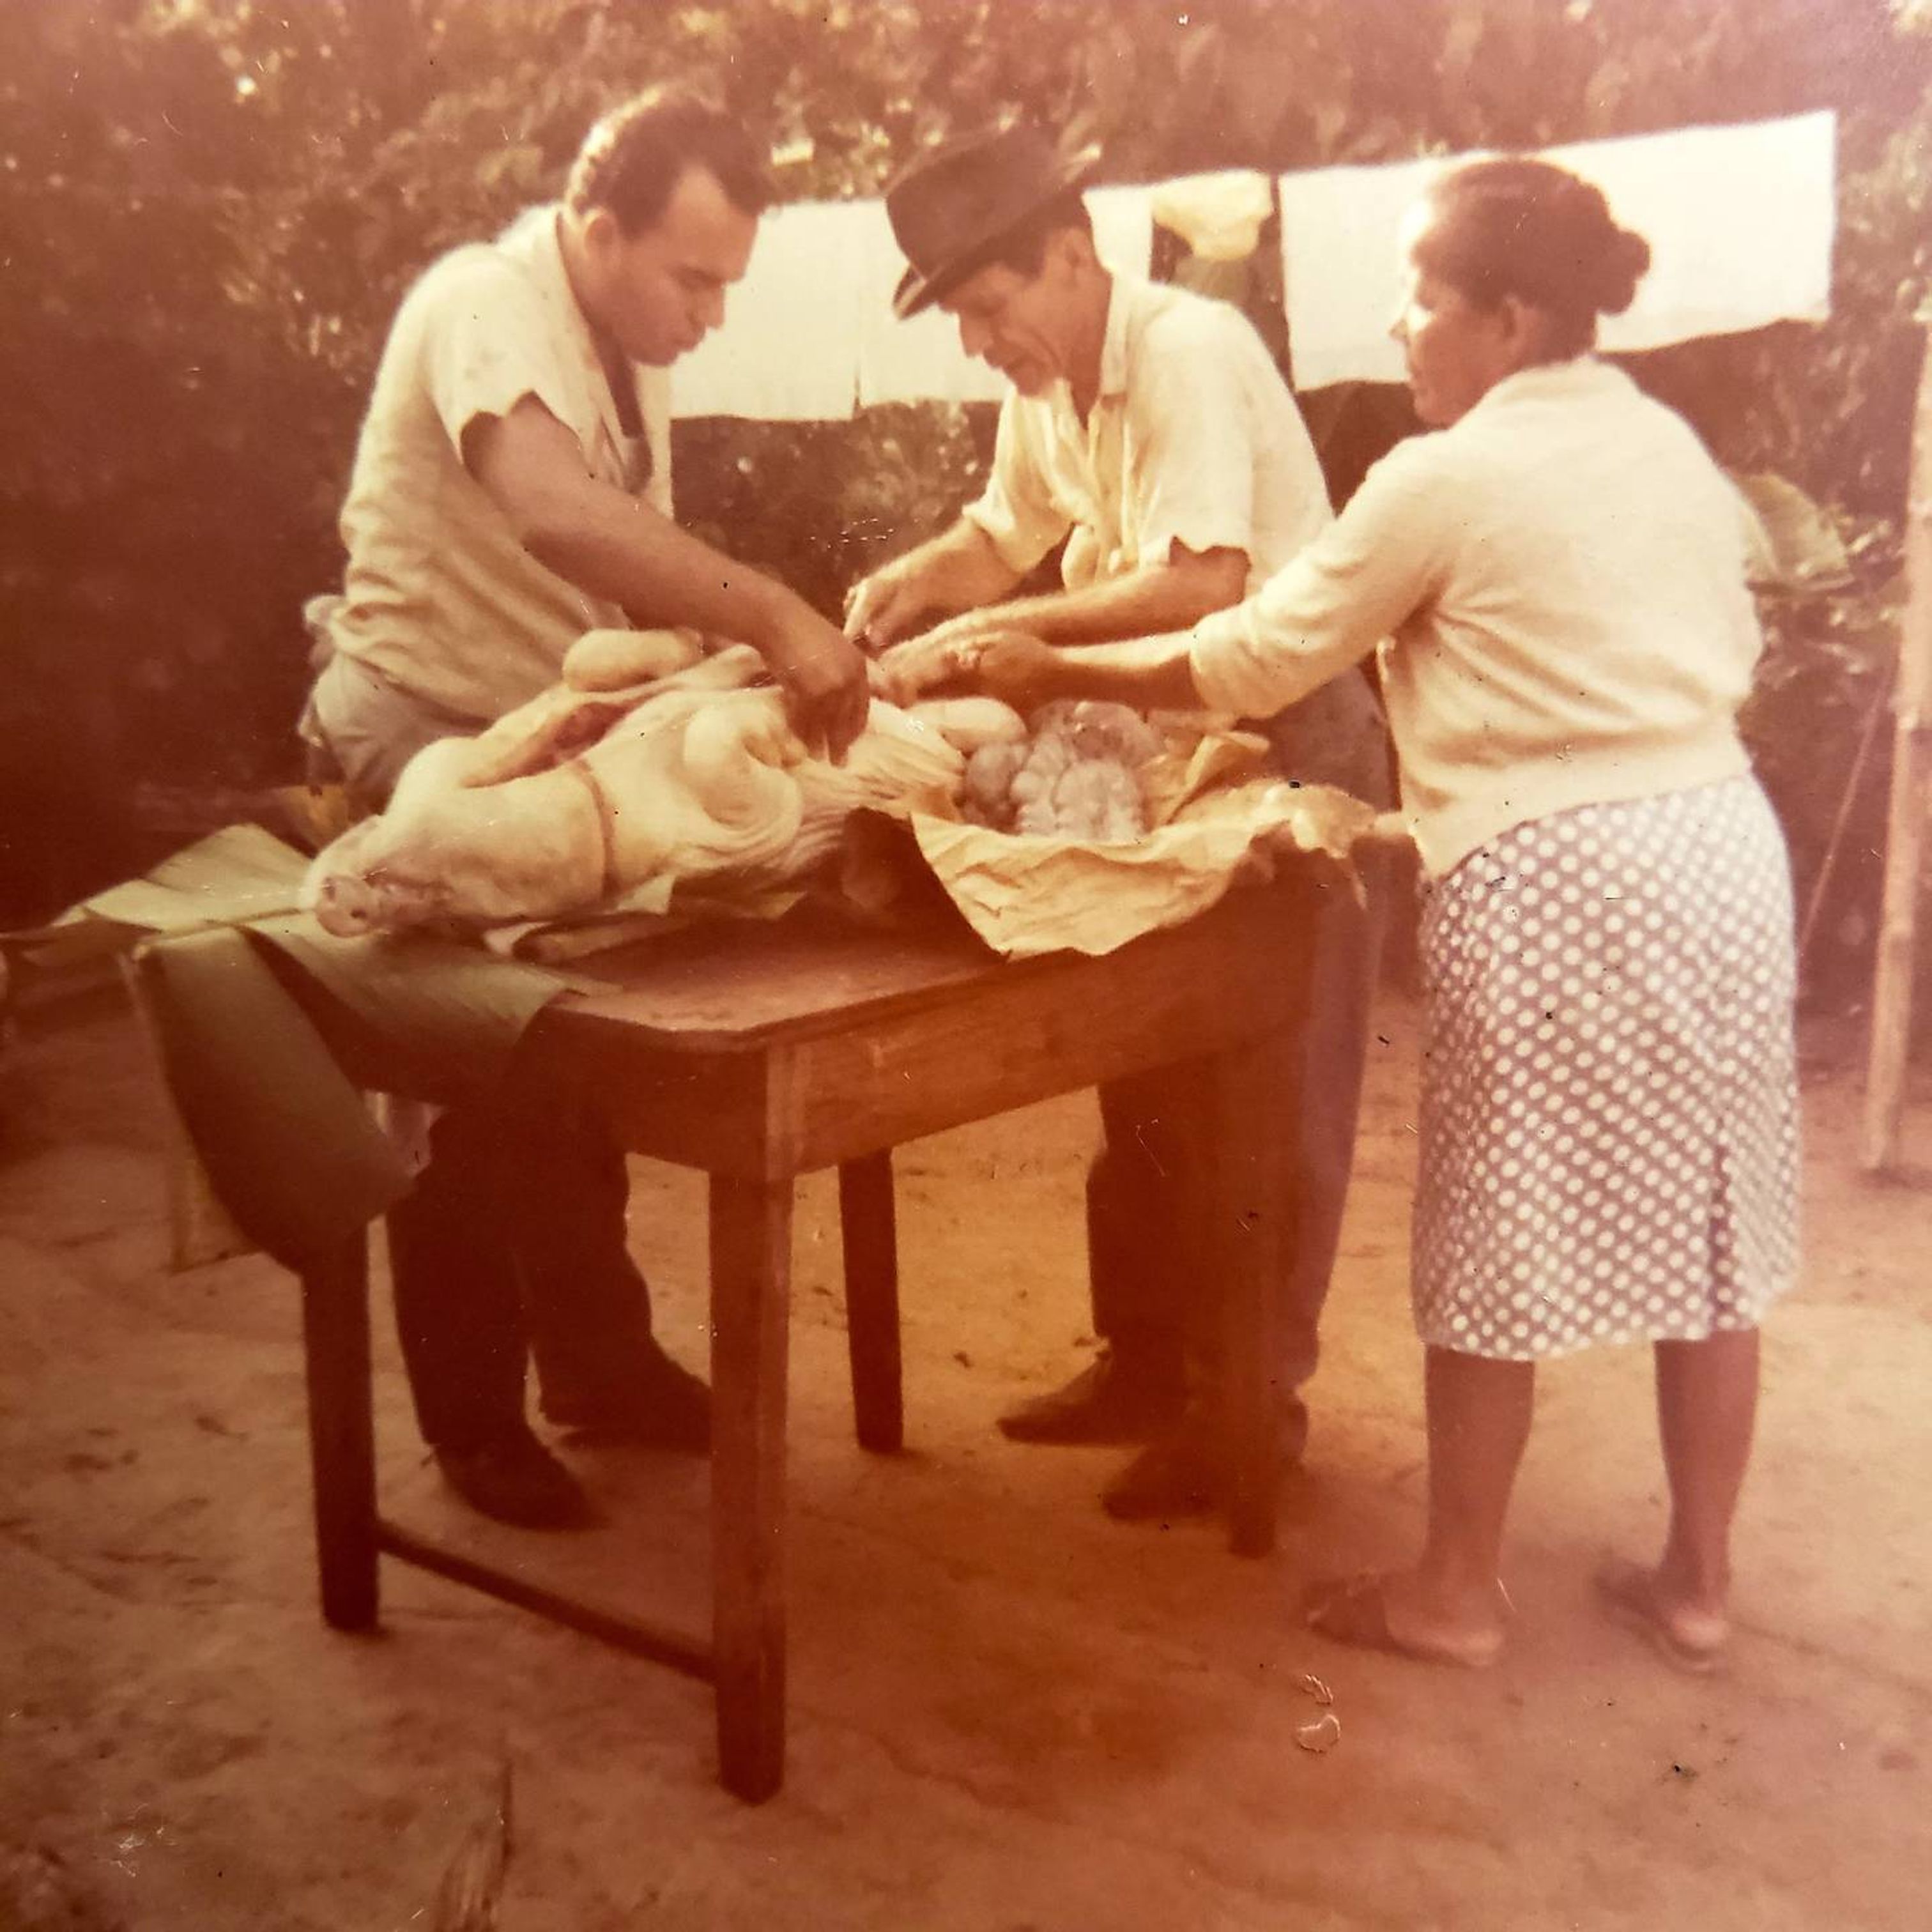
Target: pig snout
point(346, 907)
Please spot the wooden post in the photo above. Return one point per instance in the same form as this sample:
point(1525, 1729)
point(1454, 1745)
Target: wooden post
point(751, 1266)
point(342, 1447)
point(1891, 989)
point(1250, 1243)
point(200, 1228)
point(868, 1230)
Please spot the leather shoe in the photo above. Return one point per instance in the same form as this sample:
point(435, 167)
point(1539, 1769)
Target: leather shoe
point(1117, 1398)
point(1184, 1473)
point(513, 1477)
point(663, 1406)
point(1178, 1476)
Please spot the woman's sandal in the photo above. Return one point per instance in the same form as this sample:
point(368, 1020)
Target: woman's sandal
point(1628, 1593)
point(1354, 1610)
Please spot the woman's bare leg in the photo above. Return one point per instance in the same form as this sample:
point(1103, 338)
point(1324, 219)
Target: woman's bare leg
point(1479, 1414)
point(1706, 1408)
point(1450, 1607)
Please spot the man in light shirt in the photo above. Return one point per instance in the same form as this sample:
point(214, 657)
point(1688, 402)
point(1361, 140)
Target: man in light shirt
point(1149, 430)
point(511, 490)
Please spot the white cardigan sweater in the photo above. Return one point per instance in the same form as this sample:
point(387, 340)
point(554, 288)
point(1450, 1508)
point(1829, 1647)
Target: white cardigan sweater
point(1556, 586)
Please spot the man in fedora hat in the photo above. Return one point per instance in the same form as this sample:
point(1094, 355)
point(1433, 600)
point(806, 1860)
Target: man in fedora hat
point(1149, 429)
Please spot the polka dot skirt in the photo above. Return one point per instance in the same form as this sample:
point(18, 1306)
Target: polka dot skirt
point(1609, 1107)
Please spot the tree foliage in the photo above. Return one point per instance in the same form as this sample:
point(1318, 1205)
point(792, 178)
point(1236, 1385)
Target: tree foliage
point(209, 207)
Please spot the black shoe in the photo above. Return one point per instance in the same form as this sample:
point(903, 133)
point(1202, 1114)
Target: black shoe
point(1184, 1473)
point(663, 1406)
point(1116, 1399)
point(514, 1478)
point(1292, 1431)
point(1178, 1476)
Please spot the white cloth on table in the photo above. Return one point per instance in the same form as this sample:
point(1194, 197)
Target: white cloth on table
point(1740, 221)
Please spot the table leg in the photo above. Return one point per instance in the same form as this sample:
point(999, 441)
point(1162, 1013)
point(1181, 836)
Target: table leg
point(1246, 1202)
point(869, 1232)
point(751, 1268)
point(341, 1432)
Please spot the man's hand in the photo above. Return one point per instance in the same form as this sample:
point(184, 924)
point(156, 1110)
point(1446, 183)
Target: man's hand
point(958, 570)
point(823, 677)
point(881, 609)
point(963, 635)
point(935, 660)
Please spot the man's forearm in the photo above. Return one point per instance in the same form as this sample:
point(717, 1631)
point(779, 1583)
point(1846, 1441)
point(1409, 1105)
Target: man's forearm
point(1159, 598)
point(620, 550)
point(958, 570)
point(1150, 673)
point(612, 545)
point(617, 548)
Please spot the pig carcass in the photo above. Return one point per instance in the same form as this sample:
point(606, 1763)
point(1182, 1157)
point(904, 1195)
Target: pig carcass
point(651, 763)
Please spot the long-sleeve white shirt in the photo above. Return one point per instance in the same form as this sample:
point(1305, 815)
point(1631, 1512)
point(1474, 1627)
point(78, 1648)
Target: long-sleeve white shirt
point(1556, 586)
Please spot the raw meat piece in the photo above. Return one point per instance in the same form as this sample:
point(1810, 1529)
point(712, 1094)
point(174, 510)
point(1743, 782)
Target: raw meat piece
point(1075, 777)
point(1096, 729)
point(968, 724)
point(990, 773)
point(1098, 799)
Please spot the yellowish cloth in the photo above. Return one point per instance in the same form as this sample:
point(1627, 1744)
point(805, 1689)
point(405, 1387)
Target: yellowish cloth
point(268, 1031)
point(1025, 896)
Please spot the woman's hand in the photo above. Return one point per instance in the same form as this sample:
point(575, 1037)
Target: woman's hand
point(960, 657)
point(1016, 668)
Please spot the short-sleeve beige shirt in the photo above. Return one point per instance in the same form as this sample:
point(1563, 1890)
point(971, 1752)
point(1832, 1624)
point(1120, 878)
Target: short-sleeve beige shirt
point(1194, 439)
point(440, 597)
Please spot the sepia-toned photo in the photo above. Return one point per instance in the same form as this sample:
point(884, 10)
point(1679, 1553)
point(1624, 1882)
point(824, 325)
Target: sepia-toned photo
point(961, 965)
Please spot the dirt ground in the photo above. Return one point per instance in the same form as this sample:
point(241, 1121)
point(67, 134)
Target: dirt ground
point(1007, 1712)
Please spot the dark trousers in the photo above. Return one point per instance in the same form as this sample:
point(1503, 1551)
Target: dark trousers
point(1151, 1299)
point(512, 1243)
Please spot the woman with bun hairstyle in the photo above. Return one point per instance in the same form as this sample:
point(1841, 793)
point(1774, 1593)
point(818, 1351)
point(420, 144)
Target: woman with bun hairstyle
point(1552, 585)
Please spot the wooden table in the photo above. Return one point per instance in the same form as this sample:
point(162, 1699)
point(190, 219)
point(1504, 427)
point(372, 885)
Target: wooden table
point(759, 1053)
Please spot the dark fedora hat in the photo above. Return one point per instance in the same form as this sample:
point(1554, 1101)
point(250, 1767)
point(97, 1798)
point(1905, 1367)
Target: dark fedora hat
point(951, 209)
